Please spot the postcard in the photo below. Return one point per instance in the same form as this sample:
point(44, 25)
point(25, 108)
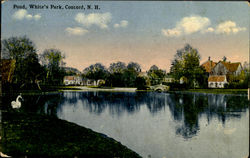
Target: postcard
point(123, 79)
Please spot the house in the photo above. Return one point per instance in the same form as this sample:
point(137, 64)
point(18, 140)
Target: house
point(208, 65)
point(92, 82)
point(168, 79)
point(72, 80)
point(219, 73)
point(217, 81)
point(227, 68)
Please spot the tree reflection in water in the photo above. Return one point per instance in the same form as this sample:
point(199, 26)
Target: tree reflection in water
point(184, 108)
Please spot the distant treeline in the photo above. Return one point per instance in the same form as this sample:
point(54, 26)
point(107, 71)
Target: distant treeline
point(24, 69)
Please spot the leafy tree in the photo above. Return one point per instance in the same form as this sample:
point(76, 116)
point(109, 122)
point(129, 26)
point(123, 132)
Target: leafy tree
point(224, 59)
point(156, 75)
point(140, 83)
point(23, 51)
point(117, 67)
point(52, 60)
point(246, 69)
point(70, 71)
point(122, 75)
point(17, 48)
point(153, 68)
point(246, 66)
point(33, 71)
point(129, 77)
point(187, 63)
point(134, 66)
point(96, 71)
point(116, 74)
point(130, 74)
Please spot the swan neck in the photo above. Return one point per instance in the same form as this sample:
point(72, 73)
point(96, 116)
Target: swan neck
point(18, 98)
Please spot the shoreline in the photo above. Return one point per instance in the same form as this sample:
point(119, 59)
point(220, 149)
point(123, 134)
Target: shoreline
point(61, 89)
point(218, 91)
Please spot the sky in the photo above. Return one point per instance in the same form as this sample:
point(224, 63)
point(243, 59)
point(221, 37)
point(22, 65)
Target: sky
point(148, 32)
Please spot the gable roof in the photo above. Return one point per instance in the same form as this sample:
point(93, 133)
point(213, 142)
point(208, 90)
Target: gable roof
point(219, 78)
point(232, 67)
point(69, 78)
point(209, 65)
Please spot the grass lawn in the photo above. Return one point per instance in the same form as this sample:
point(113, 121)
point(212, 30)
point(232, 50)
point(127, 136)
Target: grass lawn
point(28, 134)
point(219, 91)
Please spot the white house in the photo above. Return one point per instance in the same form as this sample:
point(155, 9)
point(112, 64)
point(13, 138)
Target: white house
point(92, 82)
point(224, 68)
point(168, 79)
point(217, 81)
point(72, 80)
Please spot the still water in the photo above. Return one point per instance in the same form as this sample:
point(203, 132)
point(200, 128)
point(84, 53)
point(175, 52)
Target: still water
point(158, 125)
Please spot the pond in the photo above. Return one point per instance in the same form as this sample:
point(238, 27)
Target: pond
point(157, 125)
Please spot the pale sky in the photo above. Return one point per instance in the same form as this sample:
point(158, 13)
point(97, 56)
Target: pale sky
point(145, 32)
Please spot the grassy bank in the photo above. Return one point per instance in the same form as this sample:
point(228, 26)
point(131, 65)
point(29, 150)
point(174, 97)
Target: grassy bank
point(40, 135)
point(219, 91)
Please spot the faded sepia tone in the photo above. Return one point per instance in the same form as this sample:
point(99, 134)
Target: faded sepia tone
point(124, 79)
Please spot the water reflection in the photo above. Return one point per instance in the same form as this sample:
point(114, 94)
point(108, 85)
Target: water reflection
point(184, 108)
point(157, 124)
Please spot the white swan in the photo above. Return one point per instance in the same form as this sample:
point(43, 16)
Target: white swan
point(3, 155)
point(16, 104)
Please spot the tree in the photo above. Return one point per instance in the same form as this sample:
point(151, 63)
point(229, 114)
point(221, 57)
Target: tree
point(130, 74)
point(156, 75)
point(246, 67)
point(96, 71)
point(33, 69)
point(23, 51)
point(153, 68)
point(17, 48)
point(224, 59)
point(70, 71)
point(117, 67)
point(187, 63)
point(134, 66)
point(115, 76)
point(52, 60)
point(140, 83)
point(128, 77)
